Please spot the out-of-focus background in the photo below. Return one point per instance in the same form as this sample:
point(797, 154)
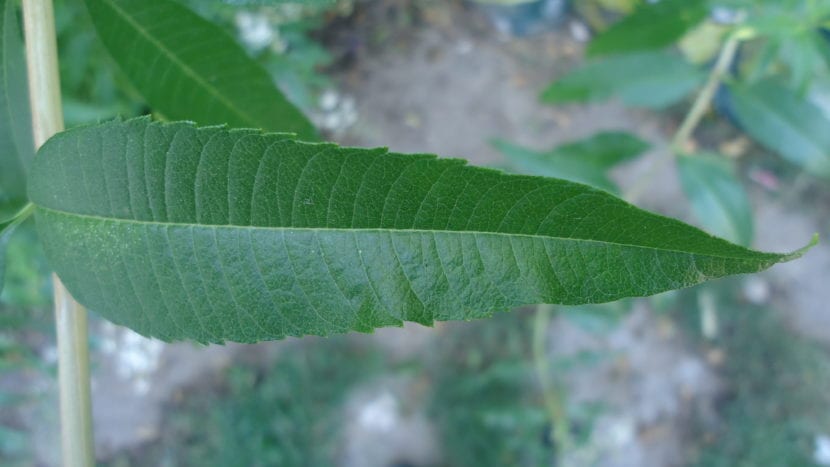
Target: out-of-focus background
point(731, 373)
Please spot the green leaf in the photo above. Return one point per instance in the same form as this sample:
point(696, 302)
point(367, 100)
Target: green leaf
point(717, 197)
point(16, 142)
point(585, 161)
point(786, 123)
point(652, 26)
point(7, 228)
point(647, 79)
point(213, 234)
point(190, 69)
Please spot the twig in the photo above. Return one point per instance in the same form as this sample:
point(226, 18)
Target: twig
point(680, 140)
point(704, 98)
point(553, 398)
point(70, 317)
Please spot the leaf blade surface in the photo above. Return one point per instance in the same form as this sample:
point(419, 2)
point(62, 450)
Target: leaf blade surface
point(190, 69)
point(213, 234)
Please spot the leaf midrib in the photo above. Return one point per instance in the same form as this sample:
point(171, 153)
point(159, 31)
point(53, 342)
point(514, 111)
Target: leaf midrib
point(773, 256)
point(191, 73)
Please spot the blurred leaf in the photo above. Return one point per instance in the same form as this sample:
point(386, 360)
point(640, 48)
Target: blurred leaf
point(16, 142)
point(78, 112)
point(485, 404)
point(296, 69)
point(775, 380)
point(651, 26)
point(717, 197)
point(282, 237)
point(586, 161)
point(190, 69)
point(596, 318)
point(759, 62)
point(14, 444)
point(278, 2)
point(267, 414)
point(790, 40)
point(6, 230)
point(503, 2)
point(823, 44)
point(9, 209)
point(786, 123)
point(27, 284)
point(5, 235)
point(646, 79)
point(93, 88)
point(782, 18)
point(803, 58)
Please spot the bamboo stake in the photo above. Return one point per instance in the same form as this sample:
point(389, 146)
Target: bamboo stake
point(70, 316)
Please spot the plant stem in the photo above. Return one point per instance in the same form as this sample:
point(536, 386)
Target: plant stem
point(704, 98)
point(551, 395)
point(680, 140)
point(70, 317)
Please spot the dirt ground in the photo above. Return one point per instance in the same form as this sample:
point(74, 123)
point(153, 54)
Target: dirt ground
point(446, 82)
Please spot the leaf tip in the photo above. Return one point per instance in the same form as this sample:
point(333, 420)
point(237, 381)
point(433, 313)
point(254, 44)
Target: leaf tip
point(801, 251)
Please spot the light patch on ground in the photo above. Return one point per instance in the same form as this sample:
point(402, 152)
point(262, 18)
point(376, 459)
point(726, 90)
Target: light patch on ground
point(136, 357)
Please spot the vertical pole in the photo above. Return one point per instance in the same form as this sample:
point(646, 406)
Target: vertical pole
point(70, 317)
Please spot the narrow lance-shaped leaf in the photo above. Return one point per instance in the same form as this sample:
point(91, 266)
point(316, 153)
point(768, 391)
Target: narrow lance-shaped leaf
point(646, 79)
point(213, 234)
point(190, 69)
point(585, 161)
point(716, 196)
point(16, 143)
point(785, 123)
point(652, 26)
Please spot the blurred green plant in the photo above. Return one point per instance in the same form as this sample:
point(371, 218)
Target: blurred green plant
point(92, 88)
point(775, 385)
point(286, 413)
point(766, 63)
point(498, 396)
point(27, 285)
point(279, 35)
point(486, 413)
